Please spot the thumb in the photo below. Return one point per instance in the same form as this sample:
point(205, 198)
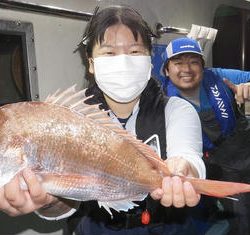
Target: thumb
point(232, 86)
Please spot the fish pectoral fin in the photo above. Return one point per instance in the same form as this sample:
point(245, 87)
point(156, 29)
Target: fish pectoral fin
point(121, 205)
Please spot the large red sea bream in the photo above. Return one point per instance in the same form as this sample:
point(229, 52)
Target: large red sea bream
point(79, 153)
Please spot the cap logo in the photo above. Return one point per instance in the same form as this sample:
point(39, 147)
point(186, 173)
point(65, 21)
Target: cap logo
point(187, 46)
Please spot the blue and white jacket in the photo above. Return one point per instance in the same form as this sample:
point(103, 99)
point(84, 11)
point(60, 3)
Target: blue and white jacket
point(215, 96)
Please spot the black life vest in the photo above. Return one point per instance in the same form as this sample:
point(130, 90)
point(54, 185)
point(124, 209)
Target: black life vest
point(151, 116)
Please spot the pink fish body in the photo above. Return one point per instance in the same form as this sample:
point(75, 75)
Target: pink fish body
point(76, 151)
point(79, 153)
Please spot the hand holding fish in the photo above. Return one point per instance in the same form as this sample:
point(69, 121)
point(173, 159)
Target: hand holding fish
point(175, 191)
point(15, 201)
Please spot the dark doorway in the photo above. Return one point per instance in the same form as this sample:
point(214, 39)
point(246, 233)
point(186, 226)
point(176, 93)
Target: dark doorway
point(18, 79)
point(12, 82)
point(232, 45)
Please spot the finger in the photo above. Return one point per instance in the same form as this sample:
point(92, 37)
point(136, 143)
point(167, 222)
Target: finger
point(2, 198)
point(11, 211)
point(246, 91)
point(13, 193)
point(5, 205)
point(37, 193)
point(238, 100)
point(35, 196)
point(17, 198)
point(191, 197)
point(167, 199)
point(232, 86)
point(178, 194)
point(8, 209)
point(239, 94)
point(157, 194)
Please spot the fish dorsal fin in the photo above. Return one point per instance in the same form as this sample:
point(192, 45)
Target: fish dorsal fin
point(67, 97)
point(75, 101)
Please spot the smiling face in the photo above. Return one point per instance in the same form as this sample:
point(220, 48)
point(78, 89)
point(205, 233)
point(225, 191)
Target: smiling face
point(185, 71)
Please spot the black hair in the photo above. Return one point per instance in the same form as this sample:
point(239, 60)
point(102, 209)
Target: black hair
point(110, 16)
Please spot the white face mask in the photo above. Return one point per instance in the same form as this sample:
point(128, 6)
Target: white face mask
point(122, 77)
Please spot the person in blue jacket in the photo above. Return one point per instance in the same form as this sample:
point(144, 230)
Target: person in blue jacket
point(209, 90)
point(214, 93)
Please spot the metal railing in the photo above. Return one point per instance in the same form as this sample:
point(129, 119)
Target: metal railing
point(160, 29)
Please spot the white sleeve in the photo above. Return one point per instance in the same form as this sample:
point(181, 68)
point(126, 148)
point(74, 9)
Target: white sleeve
point(184, 136)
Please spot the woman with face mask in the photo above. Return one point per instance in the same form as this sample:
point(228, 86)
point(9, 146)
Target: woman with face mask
point(118, 46)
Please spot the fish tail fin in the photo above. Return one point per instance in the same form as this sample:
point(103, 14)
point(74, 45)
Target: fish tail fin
point(217, 188)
